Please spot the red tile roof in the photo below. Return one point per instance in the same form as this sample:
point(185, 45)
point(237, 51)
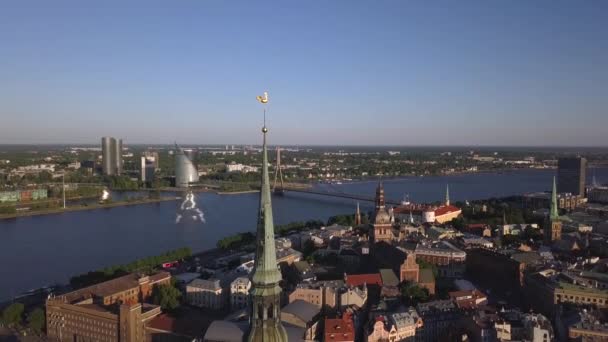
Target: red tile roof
point(186, 325)
point(339, 329)
point(162, 323)
point(360, 279)
point(467, 299)
point(446, 209)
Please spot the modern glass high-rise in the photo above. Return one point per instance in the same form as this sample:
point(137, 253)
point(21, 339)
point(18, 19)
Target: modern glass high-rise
point(111, 156)
point(147, 168)
point(185, 170)
point(571, 173)
point(118, 156)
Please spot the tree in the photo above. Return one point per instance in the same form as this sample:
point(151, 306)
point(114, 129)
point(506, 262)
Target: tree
point(507, 240)
point(343, 220)
point(413, 294)
point(458, 223)
point(36, 320)
point(309, 248)
point(10, 209)
point(166, 296)
point(532, 234)
point(12, 314)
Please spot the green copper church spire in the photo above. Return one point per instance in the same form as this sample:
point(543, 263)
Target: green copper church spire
point(554, 213)
point(265, 315)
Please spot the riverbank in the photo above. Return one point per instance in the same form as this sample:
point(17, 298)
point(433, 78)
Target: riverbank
point(236, 192)
point(87, 207)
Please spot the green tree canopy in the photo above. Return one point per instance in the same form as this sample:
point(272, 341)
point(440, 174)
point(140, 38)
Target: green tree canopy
point(36, 320)
point(412, 294)
point(166, 296)
point(13, 313)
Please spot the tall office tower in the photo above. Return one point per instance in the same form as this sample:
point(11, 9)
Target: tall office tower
point(152, 155)
point(265, 319)
point(185, 170)
point(571, 175)
point(112, 156)
point(118, 156)
point(147, 168)
point(107, 150)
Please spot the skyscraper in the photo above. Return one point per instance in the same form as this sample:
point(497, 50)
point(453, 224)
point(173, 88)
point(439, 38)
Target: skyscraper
point(118, 156)
point(571, 175)
point(106, 154)
point(265, 292)
point(147, 168)
point(111, 156)
point(185, 170)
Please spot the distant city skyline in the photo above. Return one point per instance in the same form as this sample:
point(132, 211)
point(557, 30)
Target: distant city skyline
point(391, 73)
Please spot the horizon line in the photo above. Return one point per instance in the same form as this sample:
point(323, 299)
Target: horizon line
point(305, 145)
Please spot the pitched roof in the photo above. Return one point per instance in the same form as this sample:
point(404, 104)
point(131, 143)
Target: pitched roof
point(301, 309)
point(446, 209)
point(360, 279)
point(339, 329)
point(117, 285)
point(388, 277)
point(224, 331)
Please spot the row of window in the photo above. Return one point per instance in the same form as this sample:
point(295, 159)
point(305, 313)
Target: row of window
point(582, 299)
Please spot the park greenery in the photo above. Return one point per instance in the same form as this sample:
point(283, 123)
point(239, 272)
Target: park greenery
point(36, 320)
point(8, 209)
point(241, 240)
point(412, 293)
point(145, 265)
point(235, 241)
point(12, 315)
point(167, 296)
point(121, 183)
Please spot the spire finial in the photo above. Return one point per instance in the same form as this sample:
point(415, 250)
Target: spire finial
point(263, 99)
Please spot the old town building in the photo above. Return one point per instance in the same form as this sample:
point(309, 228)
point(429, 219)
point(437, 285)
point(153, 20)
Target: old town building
point(206, 294)
point(340, 329)
point(382, 226)
point(443, 253)
point(109, 311)
point(239, 293)
point(410, 270)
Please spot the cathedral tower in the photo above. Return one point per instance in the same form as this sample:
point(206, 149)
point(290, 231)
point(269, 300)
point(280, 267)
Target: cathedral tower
point(265, 316)
point(382, 221)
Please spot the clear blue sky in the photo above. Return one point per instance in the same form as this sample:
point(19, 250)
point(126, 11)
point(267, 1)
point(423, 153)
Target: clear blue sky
point(338, 72)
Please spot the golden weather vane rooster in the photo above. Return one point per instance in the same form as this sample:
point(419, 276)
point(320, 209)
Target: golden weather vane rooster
point(263, 98)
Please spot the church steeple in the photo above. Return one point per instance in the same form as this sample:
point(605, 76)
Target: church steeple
point(358, 216)
point(554, 211)
point(447, 194)
point(380, 196)
point(553, 226)
point(265, 315)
